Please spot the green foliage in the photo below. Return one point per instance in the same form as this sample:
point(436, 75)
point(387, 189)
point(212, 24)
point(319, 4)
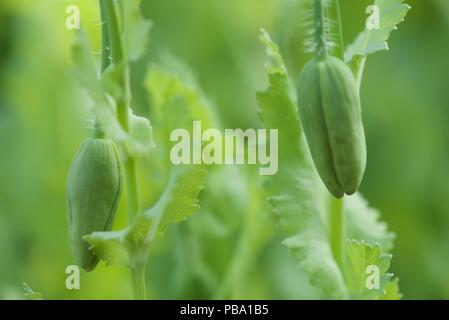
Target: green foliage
point(361, 257)
point(296, 193)
point(392, 291)
point(138, 142)
point(363, 224)
point(298, 199)
point(392, 12)
point(231, 247)
point(176, 104)
point(111, 94)
point(176, 204)
point(136, 29)
point(369, 41)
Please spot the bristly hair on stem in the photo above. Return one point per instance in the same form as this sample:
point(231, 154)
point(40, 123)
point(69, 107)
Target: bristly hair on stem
point(320, 38)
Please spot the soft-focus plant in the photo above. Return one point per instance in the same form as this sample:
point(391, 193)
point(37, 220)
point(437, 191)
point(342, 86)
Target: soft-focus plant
point(123, 33)
point(337, 241)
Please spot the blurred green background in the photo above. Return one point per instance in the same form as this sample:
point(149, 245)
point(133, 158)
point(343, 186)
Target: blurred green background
point(231, 248)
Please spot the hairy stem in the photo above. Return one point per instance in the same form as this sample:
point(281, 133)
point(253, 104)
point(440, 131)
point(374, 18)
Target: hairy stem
point(337, 230)
point(335, 15)
point(105, 50)
point(111, 32)
point(112, 53)
point(98, 132)
point(320, 29)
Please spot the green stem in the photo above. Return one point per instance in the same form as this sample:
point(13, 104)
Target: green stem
point(325, 15)
point(111, 32)
point(113, 54)
point(138, 275)
point(337, 230)
point(360, 69)
point(319, 16)
point(98, 131)
point(336, 16)
point(131, 184)
point(105, 50)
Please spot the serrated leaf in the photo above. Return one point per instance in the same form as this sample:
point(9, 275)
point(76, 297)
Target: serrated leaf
point(136, 29)
point(176, 96)
point(366, 270)
point(87, 75)
point(139, 141)
point(392, 291)
point(175, 103)
point(179, 200)
point(294, 192)
point(392, 12)
point(111, 247)
point(177, 203)
point(363, 223)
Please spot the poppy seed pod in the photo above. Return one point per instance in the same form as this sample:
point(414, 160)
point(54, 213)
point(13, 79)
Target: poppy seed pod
point(330, 111)
point(93, 191)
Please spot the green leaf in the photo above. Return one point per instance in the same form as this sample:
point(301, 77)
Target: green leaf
point(176, 204)
point(87, 75)
point(366, 270)
point(296, 193)
point(139, 141)
point(112, 247)
point(177, 98)
point(176, 103)
point(136, 29)
point(298, 197)
point(392, 291)
point(112, 79)
point(179, 200)
point(392, 12)
point(363, 223)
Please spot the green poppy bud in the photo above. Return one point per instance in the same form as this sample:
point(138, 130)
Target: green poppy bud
point(93, 191)
point(330, 111)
